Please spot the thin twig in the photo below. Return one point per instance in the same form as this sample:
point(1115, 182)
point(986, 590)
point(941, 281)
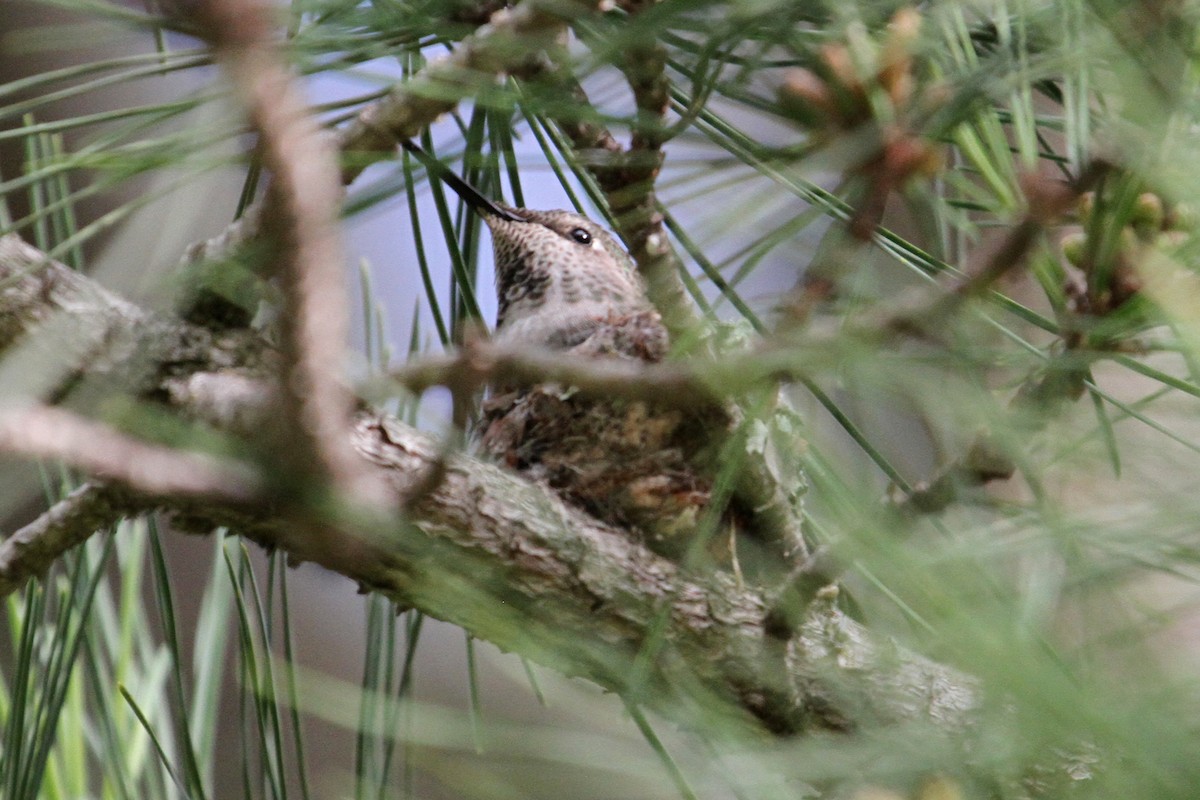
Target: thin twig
point(52, 433)
point(1048, 200)
point(506, 43)
point(1061, 381)
point(489, 362)
point(986, 459)
point(31, 550)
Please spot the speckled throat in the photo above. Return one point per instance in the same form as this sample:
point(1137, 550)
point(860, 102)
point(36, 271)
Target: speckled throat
point(558, 276)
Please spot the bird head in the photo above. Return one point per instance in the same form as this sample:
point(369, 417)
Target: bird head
point(555, 268)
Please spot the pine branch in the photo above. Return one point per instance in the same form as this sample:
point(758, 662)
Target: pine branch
point(507, 560)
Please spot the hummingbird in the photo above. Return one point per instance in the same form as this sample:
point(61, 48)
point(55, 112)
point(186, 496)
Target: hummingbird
point(566, 284)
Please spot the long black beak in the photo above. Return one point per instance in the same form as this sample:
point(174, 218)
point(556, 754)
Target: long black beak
point(470, 195)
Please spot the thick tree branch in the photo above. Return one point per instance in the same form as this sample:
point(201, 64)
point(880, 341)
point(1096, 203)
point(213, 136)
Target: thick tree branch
point(511, 563)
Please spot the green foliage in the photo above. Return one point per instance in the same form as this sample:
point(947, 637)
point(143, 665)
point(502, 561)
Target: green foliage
point(836, 166)
point(90, 691)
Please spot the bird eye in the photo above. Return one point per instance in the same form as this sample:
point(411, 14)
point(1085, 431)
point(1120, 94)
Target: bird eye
point(581, 236)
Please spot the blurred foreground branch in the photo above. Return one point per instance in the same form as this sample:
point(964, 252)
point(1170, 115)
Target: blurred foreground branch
point(300, 214)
